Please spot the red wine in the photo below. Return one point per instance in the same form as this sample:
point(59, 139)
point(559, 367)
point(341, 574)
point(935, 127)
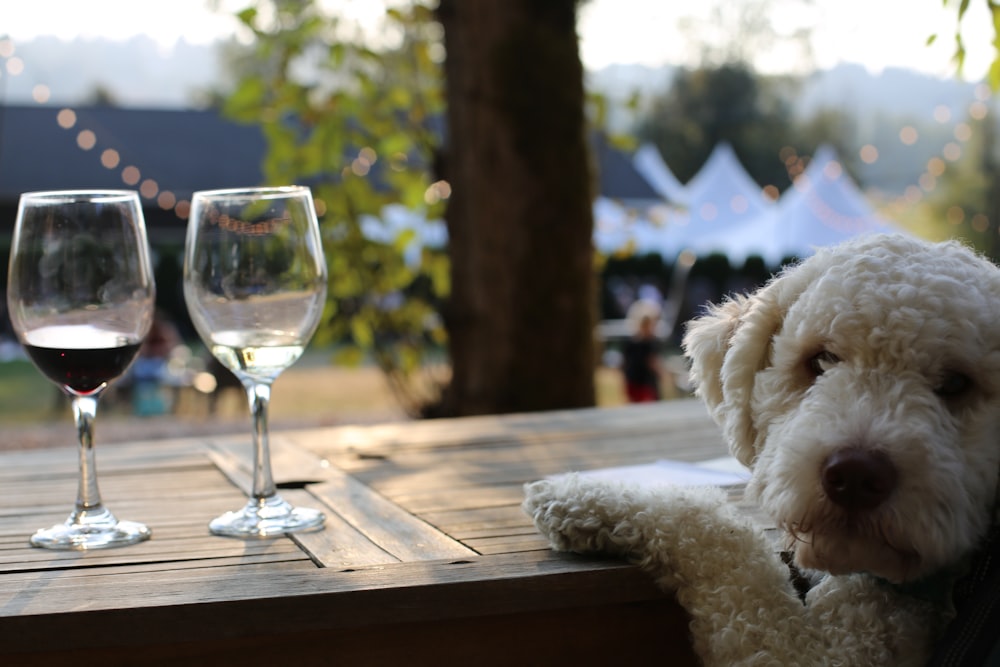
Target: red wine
point(82, 370)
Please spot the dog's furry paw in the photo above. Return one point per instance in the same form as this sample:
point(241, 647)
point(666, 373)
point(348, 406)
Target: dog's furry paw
point(573, 513)
point(584, 514)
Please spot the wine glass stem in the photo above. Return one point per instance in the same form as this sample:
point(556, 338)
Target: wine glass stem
point(259, 395)
point(88, 496)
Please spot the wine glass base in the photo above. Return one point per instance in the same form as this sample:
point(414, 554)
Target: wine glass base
point(91, 529)
point(267, 517)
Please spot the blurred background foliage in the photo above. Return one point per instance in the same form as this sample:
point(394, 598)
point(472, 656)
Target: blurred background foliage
point(362, 127)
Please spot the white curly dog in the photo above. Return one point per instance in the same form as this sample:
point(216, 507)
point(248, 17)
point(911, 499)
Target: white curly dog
point(862, 387)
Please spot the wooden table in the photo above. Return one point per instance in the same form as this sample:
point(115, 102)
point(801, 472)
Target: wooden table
point(426, 557)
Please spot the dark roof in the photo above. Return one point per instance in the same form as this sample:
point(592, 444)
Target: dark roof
point(618, 177)
point(182, 151)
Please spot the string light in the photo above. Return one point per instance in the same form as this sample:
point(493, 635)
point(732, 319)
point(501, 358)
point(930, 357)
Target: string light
point(802, 182)
point(110, 158)
point(928, 181)
point(87, 139)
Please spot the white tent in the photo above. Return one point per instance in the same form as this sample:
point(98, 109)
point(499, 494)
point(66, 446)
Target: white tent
point(406, 228)
point(612, 229)
point(649, 163)
point(621, 229)
point(823, 207)
point(722, 198)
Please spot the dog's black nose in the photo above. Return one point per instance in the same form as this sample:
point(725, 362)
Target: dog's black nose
point(858, 479)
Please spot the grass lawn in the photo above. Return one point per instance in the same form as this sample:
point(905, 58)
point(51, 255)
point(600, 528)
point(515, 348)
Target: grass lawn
point(25, 395)
point(311, 393)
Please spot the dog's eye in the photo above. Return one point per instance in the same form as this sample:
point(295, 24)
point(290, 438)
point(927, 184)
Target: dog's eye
point(953, 385)
point(821, 362)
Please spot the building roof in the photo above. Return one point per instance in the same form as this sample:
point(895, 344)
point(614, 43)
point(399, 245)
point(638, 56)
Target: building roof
point(175, 152)
point(618, 179)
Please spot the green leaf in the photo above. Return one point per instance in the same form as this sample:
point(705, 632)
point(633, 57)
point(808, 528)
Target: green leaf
point(247, 16)
point(994, 74)
point(361, 332)
point(349, 356)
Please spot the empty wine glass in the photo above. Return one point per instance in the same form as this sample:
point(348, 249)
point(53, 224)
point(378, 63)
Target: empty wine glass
point(255, 285)
point(81, 297)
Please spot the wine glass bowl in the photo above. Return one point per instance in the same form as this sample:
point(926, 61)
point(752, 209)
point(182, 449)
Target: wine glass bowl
point(255, 285)
point(80, 294)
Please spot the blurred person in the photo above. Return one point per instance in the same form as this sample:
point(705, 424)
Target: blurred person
point(641, 354)
point(150, 368)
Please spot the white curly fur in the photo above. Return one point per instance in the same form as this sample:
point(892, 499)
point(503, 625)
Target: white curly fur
point(885, 344)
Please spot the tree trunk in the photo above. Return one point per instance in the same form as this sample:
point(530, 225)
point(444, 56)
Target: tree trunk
point(522, 308)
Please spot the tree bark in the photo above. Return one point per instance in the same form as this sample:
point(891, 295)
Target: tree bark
point(521, 313)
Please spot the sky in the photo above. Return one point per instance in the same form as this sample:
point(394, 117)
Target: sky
point(874, 33)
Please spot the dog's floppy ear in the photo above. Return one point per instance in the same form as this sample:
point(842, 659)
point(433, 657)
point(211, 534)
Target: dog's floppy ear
point(706, 343)
point(727, 347)
point(731, 343)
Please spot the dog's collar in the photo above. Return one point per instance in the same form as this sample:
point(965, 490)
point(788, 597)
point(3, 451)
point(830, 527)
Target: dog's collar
point(936, 588)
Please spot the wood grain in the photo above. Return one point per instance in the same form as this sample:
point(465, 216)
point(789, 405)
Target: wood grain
point(425, 543)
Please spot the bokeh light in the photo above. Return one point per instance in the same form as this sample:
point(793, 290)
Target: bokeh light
point(110, 158)
point(437, 191)
point(149, 188)
point(952, 151)
point(66, 118)
point(41, 93)
point(86, 140)
point(739, 204)
point(15, 66)
point(913, 194)
point(131, 175)
point(166, 200)
point(360, 167)
point(183, 209)
point(955, 215)
point(833, 170)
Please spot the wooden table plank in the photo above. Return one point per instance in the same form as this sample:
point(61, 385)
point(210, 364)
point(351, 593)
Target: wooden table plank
point(392, 584)
point(534, 616)
point(363, 518)
point(425, 543)
point(620, 423)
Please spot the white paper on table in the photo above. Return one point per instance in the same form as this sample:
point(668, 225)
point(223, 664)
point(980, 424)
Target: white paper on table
point(725, 471)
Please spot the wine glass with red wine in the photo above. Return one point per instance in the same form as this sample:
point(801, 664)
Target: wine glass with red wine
point(255, 285)
point(80, 294)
